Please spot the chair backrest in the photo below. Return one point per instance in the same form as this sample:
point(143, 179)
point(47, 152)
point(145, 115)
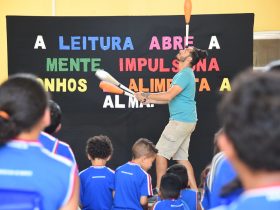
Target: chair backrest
point(11, 199)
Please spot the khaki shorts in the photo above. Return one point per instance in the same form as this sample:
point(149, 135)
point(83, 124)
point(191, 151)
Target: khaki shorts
point(175, 139)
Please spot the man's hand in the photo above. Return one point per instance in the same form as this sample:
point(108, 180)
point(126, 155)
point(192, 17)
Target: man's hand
point(139, 96)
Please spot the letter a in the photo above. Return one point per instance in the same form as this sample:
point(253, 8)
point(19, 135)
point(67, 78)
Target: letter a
point(40, 42)
point(108, 102)
point(214, 43)
point(154, 43)
point(225, 85)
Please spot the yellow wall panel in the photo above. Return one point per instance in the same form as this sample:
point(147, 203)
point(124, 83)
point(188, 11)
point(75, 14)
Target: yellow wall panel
point(266, 19)
point(17, 7)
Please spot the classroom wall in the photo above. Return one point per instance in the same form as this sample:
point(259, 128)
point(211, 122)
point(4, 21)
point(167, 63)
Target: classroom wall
point(267, 14)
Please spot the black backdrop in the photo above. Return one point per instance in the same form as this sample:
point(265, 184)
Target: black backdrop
point(83, 112)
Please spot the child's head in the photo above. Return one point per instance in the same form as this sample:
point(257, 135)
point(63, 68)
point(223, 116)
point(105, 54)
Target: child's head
point(203, 175)
point(181, 171)
point(250, 116)
point(23, 106)
point(56, 115)
point(99, 147)
point(170, 186)
point(144, 151)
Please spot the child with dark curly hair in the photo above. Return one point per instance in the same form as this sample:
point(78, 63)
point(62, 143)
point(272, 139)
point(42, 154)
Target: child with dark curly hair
point(97, 181)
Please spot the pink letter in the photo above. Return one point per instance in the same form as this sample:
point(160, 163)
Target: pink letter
point(166, 43)
point(154, 43)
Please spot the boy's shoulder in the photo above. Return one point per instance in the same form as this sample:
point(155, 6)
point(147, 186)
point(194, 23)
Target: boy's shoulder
point(92, 169)
point(110, 170)
point(259, 199)
point(132, 166)
point(85, 171)
point(177, 204)
point(132, 169)
point(128, 165)
point(189, 191)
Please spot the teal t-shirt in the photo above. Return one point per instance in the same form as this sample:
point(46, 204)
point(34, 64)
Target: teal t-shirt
point(183, 106)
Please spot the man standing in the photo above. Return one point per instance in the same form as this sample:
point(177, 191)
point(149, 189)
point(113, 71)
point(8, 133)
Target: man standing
point(180, 97)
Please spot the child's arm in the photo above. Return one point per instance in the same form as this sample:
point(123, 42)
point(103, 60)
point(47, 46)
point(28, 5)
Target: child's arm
point(199, 207)
point(144, 202)
point(72, 204)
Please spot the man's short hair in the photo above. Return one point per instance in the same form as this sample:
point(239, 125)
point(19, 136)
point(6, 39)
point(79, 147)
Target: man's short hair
point(197, 55)
point(250, 114)
point(170, 186)
point(143, 147)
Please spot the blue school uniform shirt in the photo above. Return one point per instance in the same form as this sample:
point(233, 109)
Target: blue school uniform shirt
point(183, 106)
point(223, 174)
point(190, 198)
point(26, 165)
point(205, 200)
point(258, 199)
point(131, 182)
point(55, 146)
point(171, 205)
point(97, 185)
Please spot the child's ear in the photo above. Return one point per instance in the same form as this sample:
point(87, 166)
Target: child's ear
point(108, 158)
point(226, 146)
point(142, 159)
point(58, 128)
point(88, 156)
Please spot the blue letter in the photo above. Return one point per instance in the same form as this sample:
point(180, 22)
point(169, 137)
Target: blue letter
point(75, 42)
point(116, 41)
point(128, 44)
point(84, 42)
point(61, 44)
point(102, 43)
point(93, 39)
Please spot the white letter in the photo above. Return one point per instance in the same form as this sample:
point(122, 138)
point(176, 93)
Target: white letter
point(117, 102)
point(214, 43)
point(108, 102)
point(40, 42)
point(132, 102)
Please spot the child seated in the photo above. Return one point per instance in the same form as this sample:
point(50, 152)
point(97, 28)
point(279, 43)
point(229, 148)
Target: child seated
point(132, 182)
point(187, 195)
point(169, 192)
point(97, 181)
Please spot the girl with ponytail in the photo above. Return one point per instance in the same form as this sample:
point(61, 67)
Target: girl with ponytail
point(26, 168)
